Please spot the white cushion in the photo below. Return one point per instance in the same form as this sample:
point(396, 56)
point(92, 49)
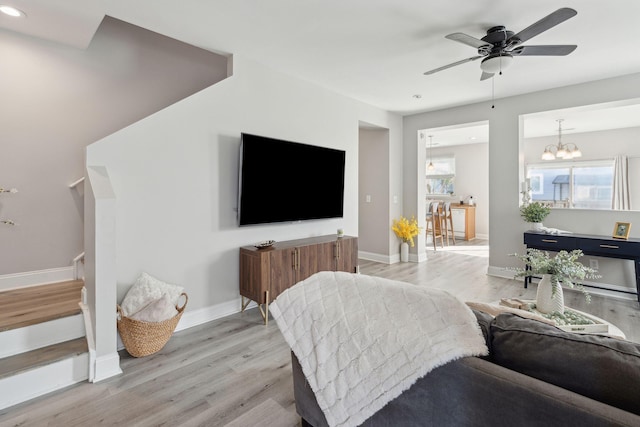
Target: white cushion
point(156, 311)
point(146, 290)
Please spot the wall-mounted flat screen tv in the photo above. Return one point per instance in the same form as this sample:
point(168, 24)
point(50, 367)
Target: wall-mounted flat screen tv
point(284, 181)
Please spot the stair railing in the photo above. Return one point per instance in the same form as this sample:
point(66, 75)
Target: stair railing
point(76, 265)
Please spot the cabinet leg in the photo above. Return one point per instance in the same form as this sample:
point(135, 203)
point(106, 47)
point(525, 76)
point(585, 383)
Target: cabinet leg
point(245, 303)
point(265, 312)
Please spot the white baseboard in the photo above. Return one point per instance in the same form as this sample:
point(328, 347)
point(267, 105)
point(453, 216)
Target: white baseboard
point(36, 382)
point(192, 318)
point(419, 257)
point(32, 278)
point(20, 340)
point(391, 259)
point(501, 272)
point(106, 367)
point(386, 259)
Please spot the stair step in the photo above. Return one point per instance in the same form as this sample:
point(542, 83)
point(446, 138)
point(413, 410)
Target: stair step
point(13, 365)
point(36, 304)
point(21, 340)
point(32, 374)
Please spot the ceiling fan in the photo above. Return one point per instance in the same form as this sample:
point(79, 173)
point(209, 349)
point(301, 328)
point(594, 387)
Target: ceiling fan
point(499, 46)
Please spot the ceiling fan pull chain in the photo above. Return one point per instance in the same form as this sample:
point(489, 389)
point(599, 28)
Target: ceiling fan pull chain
point(493, 92)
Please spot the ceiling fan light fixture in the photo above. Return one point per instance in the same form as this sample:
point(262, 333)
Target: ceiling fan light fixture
point(12, 11)
point(495, 64)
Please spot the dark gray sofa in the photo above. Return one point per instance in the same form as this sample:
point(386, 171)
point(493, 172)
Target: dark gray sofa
point(535, 375)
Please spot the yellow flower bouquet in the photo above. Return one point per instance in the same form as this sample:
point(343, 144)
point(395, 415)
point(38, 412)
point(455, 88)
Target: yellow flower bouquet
point(406, 229)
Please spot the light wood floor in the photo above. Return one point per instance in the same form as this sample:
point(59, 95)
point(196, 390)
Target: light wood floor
point(237, 372)
point(37, 304)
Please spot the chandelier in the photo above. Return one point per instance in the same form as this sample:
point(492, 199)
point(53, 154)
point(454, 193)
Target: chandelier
point(430, 166)
point(565, 151)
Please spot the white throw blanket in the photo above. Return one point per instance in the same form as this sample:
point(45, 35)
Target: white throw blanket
point(362, 340)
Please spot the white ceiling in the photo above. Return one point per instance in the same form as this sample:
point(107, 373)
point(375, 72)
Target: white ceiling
point(372, 50)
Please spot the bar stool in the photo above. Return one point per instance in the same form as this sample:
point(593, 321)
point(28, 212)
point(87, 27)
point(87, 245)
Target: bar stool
point(434, 223)
point(447, 222)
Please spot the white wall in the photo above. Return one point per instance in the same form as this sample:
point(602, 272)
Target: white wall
point(505, 171)
point(175, 176)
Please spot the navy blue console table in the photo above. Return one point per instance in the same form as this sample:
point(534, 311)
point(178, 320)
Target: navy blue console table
point(593, 245)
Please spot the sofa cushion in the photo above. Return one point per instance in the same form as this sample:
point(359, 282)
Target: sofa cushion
point(602, 368)
point(484, 321)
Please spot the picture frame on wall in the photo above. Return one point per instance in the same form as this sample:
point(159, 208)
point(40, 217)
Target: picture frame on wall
point(621, 230)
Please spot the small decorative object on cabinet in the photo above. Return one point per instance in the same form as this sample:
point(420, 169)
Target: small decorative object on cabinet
point(621, 230)
point(264, 244)
point(266, 273)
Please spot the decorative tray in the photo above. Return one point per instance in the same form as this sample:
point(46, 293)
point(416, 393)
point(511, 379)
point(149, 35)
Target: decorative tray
point(571, 321)
point(264, 244)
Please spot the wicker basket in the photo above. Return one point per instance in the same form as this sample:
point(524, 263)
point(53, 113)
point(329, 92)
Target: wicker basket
point(144, 338)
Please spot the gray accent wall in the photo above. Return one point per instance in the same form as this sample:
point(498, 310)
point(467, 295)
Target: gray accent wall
point(56, 100)
point(374, 194)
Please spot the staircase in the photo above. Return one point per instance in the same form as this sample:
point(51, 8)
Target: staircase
point(42, 341)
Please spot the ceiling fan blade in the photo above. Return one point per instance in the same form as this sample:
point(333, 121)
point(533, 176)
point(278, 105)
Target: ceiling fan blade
point(544, 24)
point(467, 39)
point(544, 50)
point(486, 76)
point(473, 58)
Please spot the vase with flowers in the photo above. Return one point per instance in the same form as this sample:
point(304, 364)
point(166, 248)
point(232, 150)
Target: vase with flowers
point(562, 269)
point(406, 230)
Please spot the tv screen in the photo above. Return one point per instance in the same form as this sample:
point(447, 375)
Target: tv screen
point(288, 181)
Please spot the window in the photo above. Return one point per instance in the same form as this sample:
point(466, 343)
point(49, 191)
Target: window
point(441, 179)
point(583, 185)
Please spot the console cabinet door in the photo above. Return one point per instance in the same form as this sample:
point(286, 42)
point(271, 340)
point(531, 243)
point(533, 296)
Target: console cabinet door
point(459, 222)
point(276, 269)
point(347, 255)
point(326, 256)
point(283, 271)
point(254, 275)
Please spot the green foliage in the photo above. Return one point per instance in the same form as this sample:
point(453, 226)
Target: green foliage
point(564, 268)
point(534, 212)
